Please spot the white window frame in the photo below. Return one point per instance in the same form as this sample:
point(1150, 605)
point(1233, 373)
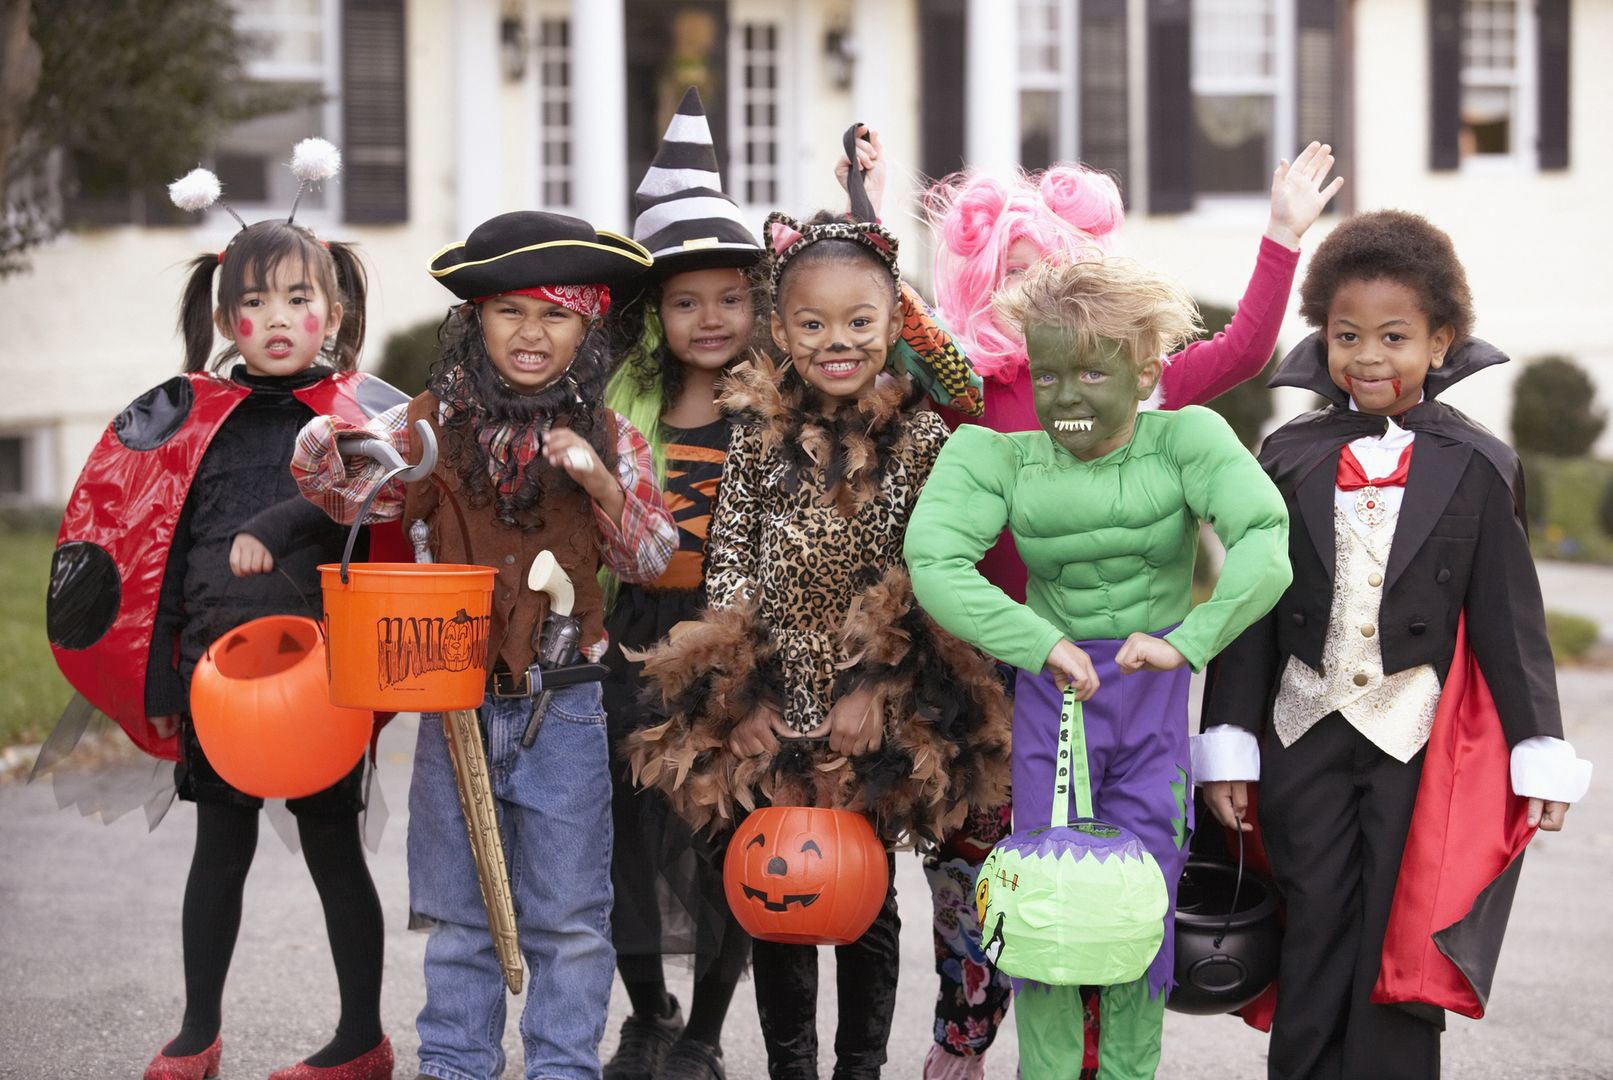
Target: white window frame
point(544, 171)
point(1524, 80)
point(1064, 78)
point(740, 174)
point(1280, 85)
point(327, 74)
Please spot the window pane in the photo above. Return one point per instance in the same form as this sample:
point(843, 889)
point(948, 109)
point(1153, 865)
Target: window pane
point(1486, 120)
point(11, 465)
point(1038, 128)
point(1234, 39)
point(1232, 143)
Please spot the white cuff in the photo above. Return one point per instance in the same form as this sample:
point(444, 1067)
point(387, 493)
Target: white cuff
point(1225, 752)
point(1547, 768)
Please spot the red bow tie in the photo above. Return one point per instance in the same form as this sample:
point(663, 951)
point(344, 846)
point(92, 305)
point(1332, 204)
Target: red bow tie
point(1352, 477)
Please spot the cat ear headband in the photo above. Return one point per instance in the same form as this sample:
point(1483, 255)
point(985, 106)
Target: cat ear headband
point(312, 161)
point(786, 238)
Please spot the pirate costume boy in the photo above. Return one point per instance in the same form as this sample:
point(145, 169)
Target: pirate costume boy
point(495, 499)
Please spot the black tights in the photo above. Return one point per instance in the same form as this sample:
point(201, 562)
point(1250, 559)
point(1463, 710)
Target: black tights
point(865, 977)
point(226, 840)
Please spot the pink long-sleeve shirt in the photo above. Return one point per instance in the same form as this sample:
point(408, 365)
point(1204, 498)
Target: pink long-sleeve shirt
point(1202, 371)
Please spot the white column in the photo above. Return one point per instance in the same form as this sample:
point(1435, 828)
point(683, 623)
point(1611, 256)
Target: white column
point(991, 84)
point(599, 113)
point(478, 142)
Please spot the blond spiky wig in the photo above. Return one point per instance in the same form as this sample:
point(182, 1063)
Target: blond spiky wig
point(1104, 298)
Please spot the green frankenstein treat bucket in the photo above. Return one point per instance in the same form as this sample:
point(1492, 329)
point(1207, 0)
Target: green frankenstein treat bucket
point(1077, 903)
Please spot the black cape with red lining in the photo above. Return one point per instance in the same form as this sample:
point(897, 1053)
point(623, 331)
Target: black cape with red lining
point(1464, 849)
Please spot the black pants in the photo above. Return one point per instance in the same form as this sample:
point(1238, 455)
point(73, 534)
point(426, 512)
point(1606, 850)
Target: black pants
point(787, 999)
point(1334, 811)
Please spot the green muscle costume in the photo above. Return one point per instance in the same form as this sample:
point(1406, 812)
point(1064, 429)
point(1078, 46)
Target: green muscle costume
point(1109, 543)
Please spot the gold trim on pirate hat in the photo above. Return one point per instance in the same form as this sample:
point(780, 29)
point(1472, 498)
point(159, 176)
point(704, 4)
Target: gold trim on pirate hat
point(684, 217)
point(527, 248)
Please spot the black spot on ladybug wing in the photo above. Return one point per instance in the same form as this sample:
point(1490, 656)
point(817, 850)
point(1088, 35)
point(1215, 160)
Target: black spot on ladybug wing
point(84, 596)
point(156, 415)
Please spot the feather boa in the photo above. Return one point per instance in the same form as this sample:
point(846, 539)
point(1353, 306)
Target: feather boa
point(947, 723)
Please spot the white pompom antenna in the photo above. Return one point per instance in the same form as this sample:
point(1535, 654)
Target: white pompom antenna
point(315, 159)
point(196, 190)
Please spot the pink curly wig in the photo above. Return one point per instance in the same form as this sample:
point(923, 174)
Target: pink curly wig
point(1068, 212)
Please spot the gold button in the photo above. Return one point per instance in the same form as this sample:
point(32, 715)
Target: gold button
point(1375, 579)
point(1368, 630)
point(1361, 678)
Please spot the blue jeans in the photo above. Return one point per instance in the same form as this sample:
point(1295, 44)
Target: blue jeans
point(554, 808)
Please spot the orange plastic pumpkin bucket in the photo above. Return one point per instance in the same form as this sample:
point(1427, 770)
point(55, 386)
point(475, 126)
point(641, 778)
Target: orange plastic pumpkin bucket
point(408, 637)
point(262, 710)
point(805, 875)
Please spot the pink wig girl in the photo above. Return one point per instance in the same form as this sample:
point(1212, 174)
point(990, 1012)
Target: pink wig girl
point(1066, 212)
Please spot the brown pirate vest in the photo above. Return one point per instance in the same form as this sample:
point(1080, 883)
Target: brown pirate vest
point(568, 530)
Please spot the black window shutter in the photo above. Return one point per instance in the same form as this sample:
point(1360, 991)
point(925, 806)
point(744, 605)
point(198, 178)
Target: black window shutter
point(942, 36)
point(1323, 90)
point(1170, 106)
point(1445, 84)
point(1552, 29)
point(1105, 130)
point(375, 129)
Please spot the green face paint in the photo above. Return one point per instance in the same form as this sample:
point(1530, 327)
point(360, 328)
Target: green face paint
point(1086, 398)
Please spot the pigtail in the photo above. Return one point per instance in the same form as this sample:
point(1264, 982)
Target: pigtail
point(353, 285)
point(196, 313)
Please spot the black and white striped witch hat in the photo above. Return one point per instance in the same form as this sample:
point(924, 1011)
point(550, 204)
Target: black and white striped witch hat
point(684, 217)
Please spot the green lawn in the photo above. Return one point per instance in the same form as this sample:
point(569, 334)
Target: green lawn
point(35, 691)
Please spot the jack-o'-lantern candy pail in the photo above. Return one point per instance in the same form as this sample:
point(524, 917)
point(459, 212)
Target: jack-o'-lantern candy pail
point(410, 637)
point(260, 701)
point(805, 876)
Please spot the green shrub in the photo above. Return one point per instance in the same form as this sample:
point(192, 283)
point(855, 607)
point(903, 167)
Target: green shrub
point(35, 690)
point(1246, 406)
point(407, 356)
point(1536, 492)
point(1554, 409)
point(1571, 636)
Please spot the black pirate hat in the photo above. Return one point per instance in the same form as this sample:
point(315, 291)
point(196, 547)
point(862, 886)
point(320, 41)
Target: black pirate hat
point(683, 215)
point(525, 248)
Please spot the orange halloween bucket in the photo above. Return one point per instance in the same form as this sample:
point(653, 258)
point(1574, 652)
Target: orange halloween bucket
point(407, 637)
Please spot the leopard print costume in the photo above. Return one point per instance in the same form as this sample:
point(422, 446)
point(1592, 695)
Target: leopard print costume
point(808, 599)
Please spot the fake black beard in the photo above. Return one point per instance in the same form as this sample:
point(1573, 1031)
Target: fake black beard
point(477, 397)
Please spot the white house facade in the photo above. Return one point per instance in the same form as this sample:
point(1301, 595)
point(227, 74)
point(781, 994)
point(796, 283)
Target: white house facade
point(1479, 113)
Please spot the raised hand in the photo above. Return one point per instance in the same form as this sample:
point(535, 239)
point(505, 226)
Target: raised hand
point(1298, 196)
point(871, 159)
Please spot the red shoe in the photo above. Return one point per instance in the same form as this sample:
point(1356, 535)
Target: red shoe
point(373, 1065)
point(202, 1066)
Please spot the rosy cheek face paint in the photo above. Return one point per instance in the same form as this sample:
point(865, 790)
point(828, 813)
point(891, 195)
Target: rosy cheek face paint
point(244, 328)
point(310, 323)
point(1396, 384)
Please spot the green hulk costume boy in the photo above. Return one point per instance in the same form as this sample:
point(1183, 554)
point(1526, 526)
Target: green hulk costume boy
point(1105, 505)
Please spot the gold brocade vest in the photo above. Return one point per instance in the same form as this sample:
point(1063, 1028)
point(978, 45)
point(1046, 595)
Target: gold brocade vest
point(1396, 712)
point(568, 530)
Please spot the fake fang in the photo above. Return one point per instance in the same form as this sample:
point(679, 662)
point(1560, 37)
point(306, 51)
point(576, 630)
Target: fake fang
point(1073, 425)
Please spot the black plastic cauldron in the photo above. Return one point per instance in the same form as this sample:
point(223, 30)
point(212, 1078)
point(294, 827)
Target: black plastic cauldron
point(1227, 938)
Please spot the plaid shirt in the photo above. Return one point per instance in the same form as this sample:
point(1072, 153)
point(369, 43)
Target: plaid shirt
point(637, 551)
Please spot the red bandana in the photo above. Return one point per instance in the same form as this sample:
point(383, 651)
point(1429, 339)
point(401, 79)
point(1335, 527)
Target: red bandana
point(1352, 477)
point(589, 301)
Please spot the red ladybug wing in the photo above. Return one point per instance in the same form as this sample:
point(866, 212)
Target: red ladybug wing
point(112, 548)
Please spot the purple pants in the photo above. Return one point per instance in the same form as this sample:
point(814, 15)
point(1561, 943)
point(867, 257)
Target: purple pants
point(1137, 754)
